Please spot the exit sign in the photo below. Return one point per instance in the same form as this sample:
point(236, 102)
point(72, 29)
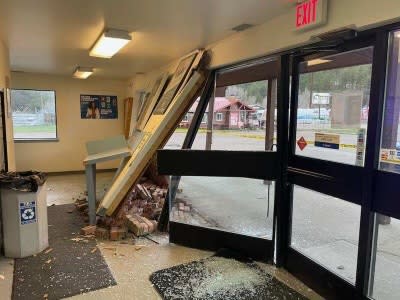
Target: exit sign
point(311, 14)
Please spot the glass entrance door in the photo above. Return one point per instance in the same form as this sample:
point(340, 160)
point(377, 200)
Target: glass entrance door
point(329, 125)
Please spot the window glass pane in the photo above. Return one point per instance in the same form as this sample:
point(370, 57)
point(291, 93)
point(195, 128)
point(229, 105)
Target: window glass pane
point(390, 145)
point(177, 138)
point(241, 119)
point(238, 205)
point(34, 114)
point(326, 229)
point(333, 104)
point(387, 267)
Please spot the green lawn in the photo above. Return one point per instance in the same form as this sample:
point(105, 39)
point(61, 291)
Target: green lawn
point(38, 128)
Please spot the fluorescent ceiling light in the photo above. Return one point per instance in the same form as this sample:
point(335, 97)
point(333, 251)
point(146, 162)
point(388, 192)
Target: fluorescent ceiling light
point(82, 73)
point(109, 43)
point(317, 61)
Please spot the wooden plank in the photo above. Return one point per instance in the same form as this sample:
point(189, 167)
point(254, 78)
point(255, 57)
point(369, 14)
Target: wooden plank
point(155, 132)
point(128, 105)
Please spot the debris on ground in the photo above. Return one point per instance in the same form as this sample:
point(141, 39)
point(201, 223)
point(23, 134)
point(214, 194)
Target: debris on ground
point(138, 247)
point(48, 250)
point(138, 214)
point(88, 230)
point(117, 233)
point(102, 233)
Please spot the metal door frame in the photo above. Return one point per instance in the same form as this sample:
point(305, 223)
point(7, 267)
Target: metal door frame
point(188, 162)
point(369, 188)
point(350, 183)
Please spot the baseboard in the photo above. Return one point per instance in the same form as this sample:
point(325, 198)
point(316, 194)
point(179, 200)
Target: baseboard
point(79, 172)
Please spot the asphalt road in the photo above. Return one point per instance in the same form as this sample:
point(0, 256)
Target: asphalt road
point(254, 141)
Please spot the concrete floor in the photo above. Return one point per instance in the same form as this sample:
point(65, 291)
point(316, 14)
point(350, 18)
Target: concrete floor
point(130, 264)
point(6, 277)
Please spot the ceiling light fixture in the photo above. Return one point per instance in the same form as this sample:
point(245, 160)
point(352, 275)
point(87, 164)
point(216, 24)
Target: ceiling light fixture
point(109, 43)
point(82, 73)
point(317, 61)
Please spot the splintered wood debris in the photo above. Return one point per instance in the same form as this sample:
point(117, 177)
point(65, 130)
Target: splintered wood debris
point(48, 250)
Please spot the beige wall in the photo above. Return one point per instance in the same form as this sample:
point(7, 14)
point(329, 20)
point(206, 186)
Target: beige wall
point(5, 83)
point(73, 132)
point(278, 34)
point(267, 38)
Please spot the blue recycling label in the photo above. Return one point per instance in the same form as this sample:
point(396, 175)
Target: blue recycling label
point(27, 212)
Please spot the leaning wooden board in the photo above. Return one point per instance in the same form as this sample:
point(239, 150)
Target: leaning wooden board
point(178, 79)
point(154, 134)
point(155, 94)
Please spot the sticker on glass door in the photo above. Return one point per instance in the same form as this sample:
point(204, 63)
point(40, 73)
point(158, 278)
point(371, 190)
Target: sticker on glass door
point(302, 143)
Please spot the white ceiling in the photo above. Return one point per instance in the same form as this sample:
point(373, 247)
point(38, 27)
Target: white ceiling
point(53, 36)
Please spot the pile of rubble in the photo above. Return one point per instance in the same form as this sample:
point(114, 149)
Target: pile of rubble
point(138, 214)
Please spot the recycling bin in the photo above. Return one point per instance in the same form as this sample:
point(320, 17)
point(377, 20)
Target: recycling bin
point(24, 216)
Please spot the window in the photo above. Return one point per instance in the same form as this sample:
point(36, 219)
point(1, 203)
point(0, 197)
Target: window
point(326, 229)
point(333, 105)
point(204, 119)
point(34, 114)
point(185, 118)
point(390, 141)
point(245, 115)
point(387, 263)
point(239, 205)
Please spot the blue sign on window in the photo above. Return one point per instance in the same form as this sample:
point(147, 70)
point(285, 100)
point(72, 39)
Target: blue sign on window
point(27, 212)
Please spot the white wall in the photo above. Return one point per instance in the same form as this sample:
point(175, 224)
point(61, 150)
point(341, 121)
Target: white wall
point(5, 83)
point(73, 132)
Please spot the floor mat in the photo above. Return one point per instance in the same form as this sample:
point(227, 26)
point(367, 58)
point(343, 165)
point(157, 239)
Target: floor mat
point(226, 275)
point(71, 265)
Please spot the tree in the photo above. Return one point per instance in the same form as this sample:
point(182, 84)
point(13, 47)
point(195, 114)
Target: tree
point(32, 101)
point(336, 80)
point(251, 93)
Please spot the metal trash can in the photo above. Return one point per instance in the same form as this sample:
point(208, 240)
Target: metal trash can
point(24, 213)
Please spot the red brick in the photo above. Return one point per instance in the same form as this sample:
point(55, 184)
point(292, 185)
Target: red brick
point(117, 233)
point(88, 230)
point(102, 233)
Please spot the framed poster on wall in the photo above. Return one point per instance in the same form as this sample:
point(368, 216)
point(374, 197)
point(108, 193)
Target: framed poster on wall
point(99, 107)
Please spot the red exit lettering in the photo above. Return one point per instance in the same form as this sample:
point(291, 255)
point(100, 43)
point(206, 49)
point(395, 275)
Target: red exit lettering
point(306, 13)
